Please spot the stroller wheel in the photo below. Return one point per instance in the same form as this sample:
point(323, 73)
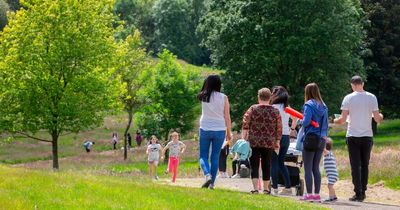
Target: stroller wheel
point(300, 188)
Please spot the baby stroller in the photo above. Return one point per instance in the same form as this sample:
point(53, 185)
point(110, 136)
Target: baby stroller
point(293, 164)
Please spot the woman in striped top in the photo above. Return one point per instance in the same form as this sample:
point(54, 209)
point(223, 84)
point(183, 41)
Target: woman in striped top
point(330, 170)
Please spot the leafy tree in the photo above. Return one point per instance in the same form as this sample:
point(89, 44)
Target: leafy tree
point(132, 65)
point(383, 63)
point(56, 58)
point(172, 95)
point(14, 4)
point(175, 29)
point(137, 15)
point(291, 43)
point(3, 14)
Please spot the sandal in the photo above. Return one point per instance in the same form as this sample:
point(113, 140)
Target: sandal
point(254, 192)
point(266, 192)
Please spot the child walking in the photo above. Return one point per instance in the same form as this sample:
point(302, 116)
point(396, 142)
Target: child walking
point(176, 148)
point(330, 170)
point(153, 152)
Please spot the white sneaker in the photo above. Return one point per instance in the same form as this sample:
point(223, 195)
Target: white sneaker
point(236, 176)
point(274, 192)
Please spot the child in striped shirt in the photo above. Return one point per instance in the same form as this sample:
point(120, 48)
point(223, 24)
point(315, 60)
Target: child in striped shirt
point(330, 170)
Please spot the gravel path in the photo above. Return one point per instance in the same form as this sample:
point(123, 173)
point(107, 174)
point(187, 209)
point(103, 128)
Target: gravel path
point(244, 185)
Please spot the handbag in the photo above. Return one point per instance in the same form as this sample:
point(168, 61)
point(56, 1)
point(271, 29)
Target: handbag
point(300, 138)
point(312, 141)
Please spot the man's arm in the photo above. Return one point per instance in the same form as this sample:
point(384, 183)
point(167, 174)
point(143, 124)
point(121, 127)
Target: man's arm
point(378, 117)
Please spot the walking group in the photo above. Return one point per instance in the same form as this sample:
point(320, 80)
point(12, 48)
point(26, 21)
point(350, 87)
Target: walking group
point(266, 131)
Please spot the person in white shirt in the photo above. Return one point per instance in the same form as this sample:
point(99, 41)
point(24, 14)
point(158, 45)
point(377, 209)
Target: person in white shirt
point(359, 106)
point(153, 152)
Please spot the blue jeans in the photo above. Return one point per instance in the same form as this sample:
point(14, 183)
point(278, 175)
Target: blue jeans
point(215, 139)
point(278, 163)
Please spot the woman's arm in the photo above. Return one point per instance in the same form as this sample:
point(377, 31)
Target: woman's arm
point(246, 124)
point(278, 131)
point(307, 116)
point(228, 122)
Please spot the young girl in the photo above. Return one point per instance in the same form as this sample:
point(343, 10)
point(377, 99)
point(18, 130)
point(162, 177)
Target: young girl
point(153, 152)
point(176, 147)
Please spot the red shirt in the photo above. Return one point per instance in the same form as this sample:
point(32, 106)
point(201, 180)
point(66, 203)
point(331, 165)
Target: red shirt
point(264, 124)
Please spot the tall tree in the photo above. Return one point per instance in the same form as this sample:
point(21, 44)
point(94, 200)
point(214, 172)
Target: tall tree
point(383, 63)
point(14, 4)
point(172, 95)
point(133, 62)
point(175, 29)
point(55, 61)
point(290, 43)
point(3, 14)
point(137, 15)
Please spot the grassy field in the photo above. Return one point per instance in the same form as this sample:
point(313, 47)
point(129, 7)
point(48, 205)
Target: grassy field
point(385, 158)
point(27, 189)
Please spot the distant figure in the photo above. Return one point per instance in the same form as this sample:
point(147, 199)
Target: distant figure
point(222, 160)
point(153, 152)
point(176, 148)
point(88, 145)
point(114, 140)
point(138, 138)
point(129, 140)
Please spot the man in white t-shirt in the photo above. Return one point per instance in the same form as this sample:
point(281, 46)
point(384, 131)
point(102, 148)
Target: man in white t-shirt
point(359, 106)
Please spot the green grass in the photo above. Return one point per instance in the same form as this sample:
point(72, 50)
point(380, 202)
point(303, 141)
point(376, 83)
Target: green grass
point(25, 189)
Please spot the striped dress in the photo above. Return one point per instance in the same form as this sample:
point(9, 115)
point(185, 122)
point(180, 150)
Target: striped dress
point(330, 168)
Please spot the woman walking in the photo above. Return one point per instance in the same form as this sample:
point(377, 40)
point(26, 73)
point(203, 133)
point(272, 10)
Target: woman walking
point(314, 140)
point(279, 100)
point(262, 127)
point(214, 122)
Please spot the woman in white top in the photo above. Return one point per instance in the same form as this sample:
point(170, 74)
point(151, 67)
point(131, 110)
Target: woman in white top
point(215, 122)
point(279, 100)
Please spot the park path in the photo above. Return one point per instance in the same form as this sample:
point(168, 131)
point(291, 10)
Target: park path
point(372, 202)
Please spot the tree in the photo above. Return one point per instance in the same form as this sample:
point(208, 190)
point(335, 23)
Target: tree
point(383, 63)
point(291, 43)
point(133, 63)
point(172, 94)
point(175, 29)
point(14, 4)
point(137, 15)
point(3, 14)
point(55, 69)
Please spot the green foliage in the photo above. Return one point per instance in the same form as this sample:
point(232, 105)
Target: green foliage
point(137, 15)
point(56, 62)
point(172, 103)
point(3, 14)
point(175, 29)
point(290, 43)
point(14, 4)
point(383, 63)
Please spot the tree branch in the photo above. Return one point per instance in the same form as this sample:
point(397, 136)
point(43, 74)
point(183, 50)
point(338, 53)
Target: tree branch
point(32, 137)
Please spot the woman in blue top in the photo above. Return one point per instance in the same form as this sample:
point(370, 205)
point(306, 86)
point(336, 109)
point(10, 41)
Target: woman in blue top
point(215, 121)
point(314, 109)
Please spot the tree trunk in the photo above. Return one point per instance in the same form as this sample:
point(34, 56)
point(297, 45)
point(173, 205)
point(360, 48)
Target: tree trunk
point(130, 116)
point(54, 144)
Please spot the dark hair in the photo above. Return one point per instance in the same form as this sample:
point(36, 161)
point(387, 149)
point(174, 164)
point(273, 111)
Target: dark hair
point(356, 80)
point(279, 96)
point(311, 91)
point(211, 83)
point(329, 144)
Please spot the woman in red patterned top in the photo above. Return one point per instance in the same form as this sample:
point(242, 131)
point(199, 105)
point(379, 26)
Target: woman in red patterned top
point(262, 127)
